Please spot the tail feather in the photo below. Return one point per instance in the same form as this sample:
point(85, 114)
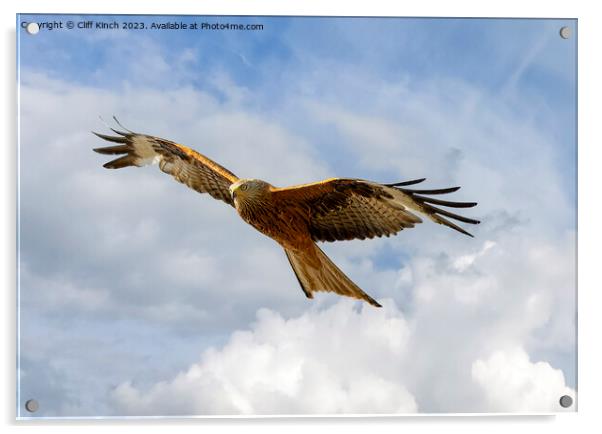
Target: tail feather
point(300, 273)
point(316, 272)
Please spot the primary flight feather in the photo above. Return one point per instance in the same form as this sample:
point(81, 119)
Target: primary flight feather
point(296, 217)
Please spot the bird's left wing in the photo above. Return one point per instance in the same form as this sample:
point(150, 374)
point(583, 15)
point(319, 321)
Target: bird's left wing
point(345, 209)
point(184, 164)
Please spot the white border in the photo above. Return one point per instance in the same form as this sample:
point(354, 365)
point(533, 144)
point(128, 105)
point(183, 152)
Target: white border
point(590, 142)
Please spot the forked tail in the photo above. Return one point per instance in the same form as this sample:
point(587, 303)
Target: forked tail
point(316, 272)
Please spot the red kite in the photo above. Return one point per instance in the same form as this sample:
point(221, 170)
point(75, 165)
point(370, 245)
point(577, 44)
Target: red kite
point(296, 217)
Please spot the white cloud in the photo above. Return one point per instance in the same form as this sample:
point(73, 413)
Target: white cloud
point(338, 360)
point(461, 263)
point(512, 383)
point(345, 360)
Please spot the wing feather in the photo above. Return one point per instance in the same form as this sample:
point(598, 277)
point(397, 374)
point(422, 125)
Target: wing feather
point(184, 164)
point(345, 209)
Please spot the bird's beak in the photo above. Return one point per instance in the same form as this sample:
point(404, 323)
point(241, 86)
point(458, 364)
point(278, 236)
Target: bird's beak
point(233, 192)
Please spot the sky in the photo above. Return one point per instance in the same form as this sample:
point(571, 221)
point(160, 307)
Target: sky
point(138, 296)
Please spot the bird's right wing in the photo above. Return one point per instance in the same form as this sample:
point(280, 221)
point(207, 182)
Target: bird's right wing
point(184, 164)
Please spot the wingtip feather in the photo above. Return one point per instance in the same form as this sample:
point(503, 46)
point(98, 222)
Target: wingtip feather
point(121, 125)
point(118, 163)
point(110, 138)
point(113, 150)
point(404, 183)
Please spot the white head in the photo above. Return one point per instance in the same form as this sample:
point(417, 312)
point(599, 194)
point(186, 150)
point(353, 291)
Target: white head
point(248, 188)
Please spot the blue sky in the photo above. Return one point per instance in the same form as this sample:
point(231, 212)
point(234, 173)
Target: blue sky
point(127, 269)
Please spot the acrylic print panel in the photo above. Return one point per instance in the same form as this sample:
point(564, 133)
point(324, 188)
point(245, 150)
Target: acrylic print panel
point(139, 296)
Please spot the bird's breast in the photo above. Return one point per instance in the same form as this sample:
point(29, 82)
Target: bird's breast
point(279, 221)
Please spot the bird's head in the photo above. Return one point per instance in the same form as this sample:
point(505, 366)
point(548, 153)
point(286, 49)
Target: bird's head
point(248, 189)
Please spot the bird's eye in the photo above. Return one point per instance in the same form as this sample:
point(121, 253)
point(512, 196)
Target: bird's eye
point(244, 187)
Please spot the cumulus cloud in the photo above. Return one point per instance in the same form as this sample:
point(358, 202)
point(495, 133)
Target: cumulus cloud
point(512, 383)
point(431, 353)
point(337, 360)
point(342, 360)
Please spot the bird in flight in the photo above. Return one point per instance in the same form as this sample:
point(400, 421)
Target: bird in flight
point(299, 216)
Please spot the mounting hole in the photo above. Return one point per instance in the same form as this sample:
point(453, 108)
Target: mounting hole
point(566, 401)
point(565, 32)
point(32, 28)
point(32, 405)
